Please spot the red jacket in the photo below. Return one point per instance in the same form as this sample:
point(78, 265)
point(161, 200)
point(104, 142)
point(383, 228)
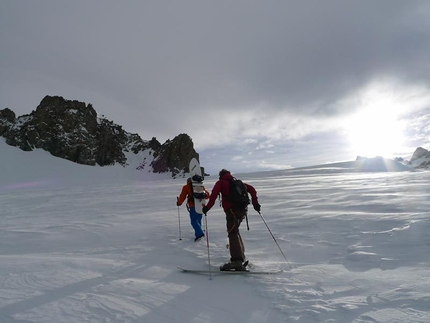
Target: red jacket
point(223, 187)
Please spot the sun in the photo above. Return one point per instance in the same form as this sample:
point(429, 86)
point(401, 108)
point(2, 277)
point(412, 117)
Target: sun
point(375, 132)
point(377, 128)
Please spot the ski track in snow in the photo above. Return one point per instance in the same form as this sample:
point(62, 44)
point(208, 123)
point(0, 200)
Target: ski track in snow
point(106, 251)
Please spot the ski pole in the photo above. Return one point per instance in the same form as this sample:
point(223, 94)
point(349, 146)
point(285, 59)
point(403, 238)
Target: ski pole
point(247, 223)
point(207, 244)
point(275, 240)
point(179, 219)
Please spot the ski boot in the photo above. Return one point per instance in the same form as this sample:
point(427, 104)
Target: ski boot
point(235, 265)
point(199, 238)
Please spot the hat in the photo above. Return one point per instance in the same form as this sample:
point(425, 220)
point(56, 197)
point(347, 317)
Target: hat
point(222, 172)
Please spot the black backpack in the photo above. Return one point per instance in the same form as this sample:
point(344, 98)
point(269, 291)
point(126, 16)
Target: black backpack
point(238, 193)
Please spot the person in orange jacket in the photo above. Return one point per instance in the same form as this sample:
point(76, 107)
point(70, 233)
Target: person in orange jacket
point(196, 218)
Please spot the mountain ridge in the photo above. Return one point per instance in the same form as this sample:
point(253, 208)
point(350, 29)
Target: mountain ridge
point(420, 159)
point(73, 130)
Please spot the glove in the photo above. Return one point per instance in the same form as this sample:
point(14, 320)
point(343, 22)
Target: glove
point(205, 209)
point(257, 207)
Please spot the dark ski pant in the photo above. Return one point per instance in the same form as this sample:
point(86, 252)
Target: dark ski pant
point(234, 218)
point(196, 222)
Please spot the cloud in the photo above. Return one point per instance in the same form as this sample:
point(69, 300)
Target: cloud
point(264, 165)
point(227, 73)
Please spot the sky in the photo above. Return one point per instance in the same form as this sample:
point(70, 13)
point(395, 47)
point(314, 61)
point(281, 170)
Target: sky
point(258, 85)
point(353, 247)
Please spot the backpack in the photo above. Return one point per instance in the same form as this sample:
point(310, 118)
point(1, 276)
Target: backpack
point(197, 187)
point(238, 193)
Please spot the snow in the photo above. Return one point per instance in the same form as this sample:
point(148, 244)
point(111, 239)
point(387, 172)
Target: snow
point(101, 244)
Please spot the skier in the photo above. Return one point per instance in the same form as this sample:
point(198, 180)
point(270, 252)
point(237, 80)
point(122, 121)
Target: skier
point(234, 217)
point(196, 218)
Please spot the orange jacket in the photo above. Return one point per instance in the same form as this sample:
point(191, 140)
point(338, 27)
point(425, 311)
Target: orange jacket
point(187, 193)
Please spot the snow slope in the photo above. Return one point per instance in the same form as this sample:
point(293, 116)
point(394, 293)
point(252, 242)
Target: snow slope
point(87, 244)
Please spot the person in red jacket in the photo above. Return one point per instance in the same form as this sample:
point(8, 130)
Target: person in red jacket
point(234, 217)
point(196, 218)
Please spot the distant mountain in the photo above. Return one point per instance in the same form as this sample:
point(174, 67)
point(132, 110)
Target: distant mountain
point(420, 159)
point(72, 130)
point(364, 164)
point(360, 165)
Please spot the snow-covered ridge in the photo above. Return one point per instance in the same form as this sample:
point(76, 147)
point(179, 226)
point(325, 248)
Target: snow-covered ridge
point(39, 168)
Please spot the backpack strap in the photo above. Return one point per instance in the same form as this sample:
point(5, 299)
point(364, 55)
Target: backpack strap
point(225, 196)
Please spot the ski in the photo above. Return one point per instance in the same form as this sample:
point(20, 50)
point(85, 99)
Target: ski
point(234, 272)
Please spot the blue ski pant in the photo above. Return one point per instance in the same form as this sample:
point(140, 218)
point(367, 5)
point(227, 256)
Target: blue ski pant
point(196, 222)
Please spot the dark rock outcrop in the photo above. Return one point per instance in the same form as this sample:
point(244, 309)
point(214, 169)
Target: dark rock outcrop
point(174, 155)
point(72, 130)
point(7, 118)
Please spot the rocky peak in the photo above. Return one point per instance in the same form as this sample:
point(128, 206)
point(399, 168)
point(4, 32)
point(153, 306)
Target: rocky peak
point(420, 158)
point(72, 130)
point(67, 113)
point(7, 118)
point(174, 155)
point(419, 153)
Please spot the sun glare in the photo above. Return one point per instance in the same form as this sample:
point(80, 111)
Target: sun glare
point(376, 130)
point(372, 134)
